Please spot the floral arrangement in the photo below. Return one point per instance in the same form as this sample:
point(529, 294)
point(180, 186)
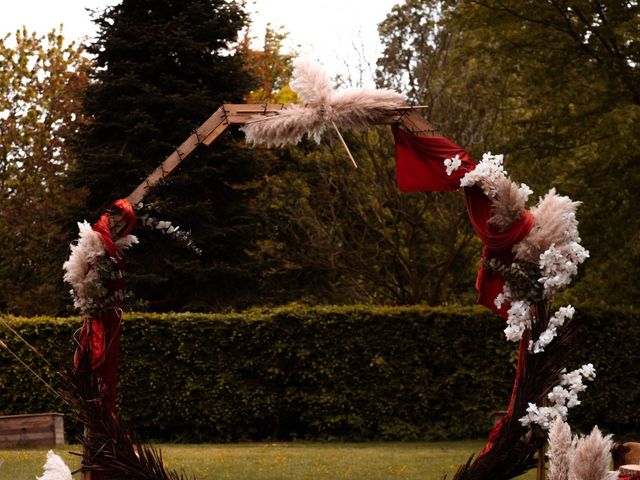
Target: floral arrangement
point(544, 260)
point(563, 397)
point(322, 106)
point(90, 267)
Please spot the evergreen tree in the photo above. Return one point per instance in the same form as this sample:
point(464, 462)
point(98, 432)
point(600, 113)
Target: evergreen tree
point(163, 67)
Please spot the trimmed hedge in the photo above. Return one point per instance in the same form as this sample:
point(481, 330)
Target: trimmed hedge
point(349, 373)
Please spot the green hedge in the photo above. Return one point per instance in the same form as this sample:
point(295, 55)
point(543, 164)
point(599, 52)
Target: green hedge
point(351, 373)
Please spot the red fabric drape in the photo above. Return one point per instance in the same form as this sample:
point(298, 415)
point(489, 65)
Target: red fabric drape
point(496, 431)
point(101, 334)
point(497, 245)
point(420, 167)
point(420, 163)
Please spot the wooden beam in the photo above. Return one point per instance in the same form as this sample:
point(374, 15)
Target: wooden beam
point(241, 114)
point(180, 154)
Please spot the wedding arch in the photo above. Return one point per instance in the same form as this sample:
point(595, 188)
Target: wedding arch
point(528, 255)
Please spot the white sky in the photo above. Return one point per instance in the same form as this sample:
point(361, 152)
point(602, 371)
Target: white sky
point(341, 34)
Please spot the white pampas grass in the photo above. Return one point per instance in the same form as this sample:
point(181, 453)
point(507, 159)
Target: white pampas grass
point(78, 268)
point(127, 241)
point(55, 468)
point(560, 450)
point(578, 457)
point(509, 202)
point(323, 107)
point(590, 460)
point(310, 82)
point(556, 224)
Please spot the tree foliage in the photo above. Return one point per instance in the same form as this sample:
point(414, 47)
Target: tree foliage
point(162, 68)
point(346, 235)
point(553, 84)
point(41, 80)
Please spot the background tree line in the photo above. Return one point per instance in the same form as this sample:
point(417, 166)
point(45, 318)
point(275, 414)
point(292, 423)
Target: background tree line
point(552, 84)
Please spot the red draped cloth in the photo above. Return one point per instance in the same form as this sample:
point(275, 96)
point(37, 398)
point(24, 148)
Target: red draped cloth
point(420, 167)
point(100, 334)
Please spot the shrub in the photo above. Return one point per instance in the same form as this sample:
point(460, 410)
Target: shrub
point(348, 373)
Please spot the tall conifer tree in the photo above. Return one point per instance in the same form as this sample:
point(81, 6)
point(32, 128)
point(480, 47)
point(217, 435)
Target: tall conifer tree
point(164, 66)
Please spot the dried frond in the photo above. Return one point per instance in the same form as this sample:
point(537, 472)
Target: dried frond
point(310, 82)
point(556, 224)
point(287, 126)
point(560, 450)
point(110, 449)
point(323, 106)
point(78, 268)
point(55, 468)
point(508, 203)
point(514, 452)
point(591, 458)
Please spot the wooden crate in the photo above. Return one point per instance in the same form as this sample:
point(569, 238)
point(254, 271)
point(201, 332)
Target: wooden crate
point(32, 430)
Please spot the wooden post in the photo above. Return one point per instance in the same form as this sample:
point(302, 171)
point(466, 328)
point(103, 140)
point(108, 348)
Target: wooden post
point(540, 475)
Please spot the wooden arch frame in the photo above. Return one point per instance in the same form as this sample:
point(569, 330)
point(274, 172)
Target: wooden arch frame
point(241, 114)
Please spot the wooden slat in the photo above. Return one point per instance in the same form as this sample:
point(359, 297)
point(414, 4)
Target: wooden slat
point(28, 430)
point(25, 422)
point(218, 130)
point(58, 430)
point(41, 429)
point(39, 440)
point(254, 108)
point(211, 123)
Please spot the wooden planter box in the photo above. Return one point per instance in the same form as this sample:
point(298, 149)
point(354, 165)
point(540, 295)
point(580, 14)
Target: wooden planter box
point(32, 430)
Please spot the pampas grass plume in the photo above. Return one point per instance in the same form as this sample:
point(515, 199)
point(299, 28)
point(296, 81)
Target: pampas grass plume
point(591, 458)
point(555, 225)
point(55, 468)
point(310, 82)
point(323, 106)
point(560, 450)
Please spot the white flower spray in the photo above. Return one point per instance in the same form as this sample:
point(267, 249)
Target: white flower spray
point(452, 164)
point(562, 397)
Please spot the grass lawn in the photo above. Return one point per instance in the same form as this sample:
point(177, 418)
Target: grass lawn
point(283, 461)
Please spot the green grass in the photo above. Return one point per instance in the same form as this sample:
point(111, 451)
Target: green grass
point(284, 461)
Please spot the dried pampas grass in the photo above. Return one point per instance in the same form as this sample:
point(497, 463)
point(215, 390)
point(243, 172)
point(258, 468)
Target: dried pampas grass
point(560, 450)
point(556, 224)
point(55, 468)
point(578, 457)
point(323, 107)
point(508, 203)
point(78, 271)
point(590, 460)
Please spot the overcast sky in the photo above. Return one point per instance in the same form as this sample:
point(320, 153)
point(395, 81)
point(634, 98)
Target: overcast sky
point(341, 34)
